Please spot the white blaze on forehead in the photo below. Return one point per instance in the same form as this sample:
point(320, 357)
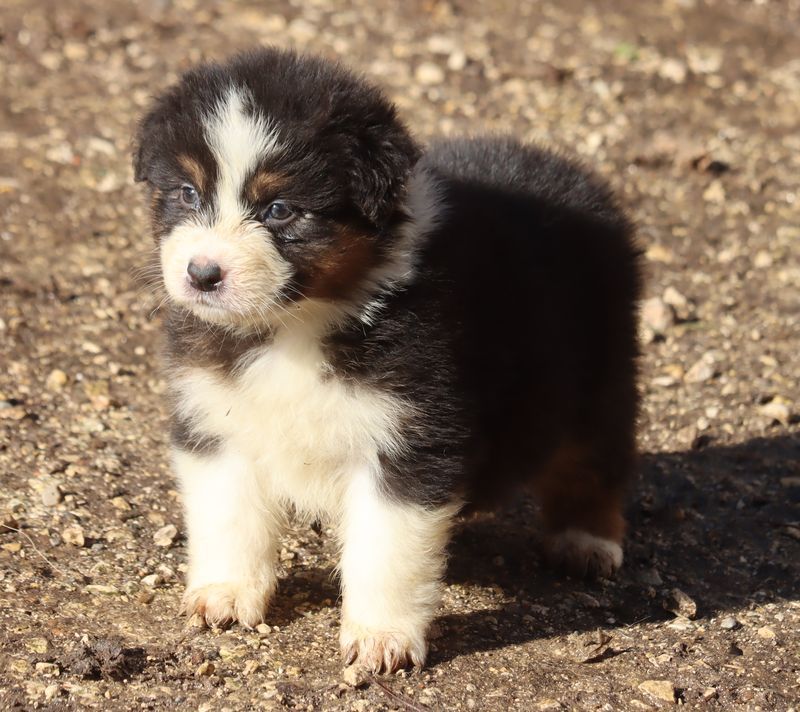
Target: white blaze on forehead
point(239, 141)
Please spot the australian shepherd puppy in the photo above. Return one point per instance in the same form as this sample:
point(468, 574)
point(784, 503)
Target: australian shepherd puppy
point(362, 330)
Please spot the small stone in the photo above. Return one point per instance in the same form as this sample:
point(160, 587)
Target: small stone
point(263, 630)
point(766, 633)
point(704, 60)
point(51, 692)
point(152, 580)
point(650, 577)
point(700, 372)
point(673, 69)
point(48, 669)
point(657, 315)
point(677, 301)
point(355, 675)
point(36, 645)
point(101, 589)
point(166, 535)
point(710, 693)
point(205, 669)
point(457, 61)
point(121, 503)
point(51, 495)
point(429, 73)
point(776, 410)
point(548, 706)
point(250, 667)
point(715, 193)
point(56, 380)
point(660, 689)
point(681, 604)
point(762, 260)
point(73, 535)
point(146, 596)
point(729, 623)
point(659, 253)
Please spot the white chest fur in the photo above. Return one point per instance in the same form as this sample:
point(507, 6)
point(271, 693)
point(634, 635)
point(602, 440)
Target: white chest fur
point(305, 430)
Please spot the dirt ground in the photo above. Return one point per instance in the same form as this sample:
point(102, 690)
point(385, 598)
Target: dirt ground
point(690, 108)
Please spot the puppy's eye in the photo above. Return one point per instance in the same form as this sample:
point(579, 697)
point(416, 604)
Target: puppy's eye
point(189, 197)
point(277, 212)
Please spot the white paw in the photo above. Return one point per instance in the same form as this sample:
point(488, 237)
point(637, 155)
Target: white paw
point(381, 651)
point(583, 554)
point(220, 604)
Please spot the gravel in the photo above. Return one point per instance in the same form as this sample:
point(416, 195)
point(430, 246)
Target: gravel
point(688, 108)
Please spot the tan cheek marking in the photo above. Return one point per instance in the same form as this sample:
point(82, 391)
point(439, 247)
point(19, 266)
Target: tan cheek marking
point(194, 170)
point(340, 268)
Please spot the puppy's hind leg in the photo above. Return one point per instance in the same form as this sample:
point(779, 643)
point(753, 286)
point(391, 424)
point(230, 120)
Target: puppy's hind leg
point(582, 499)
point(393, 559)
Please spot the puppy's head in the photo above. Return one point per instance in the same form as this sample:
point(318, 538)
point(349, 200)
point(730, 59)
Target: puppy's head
point(273, 178)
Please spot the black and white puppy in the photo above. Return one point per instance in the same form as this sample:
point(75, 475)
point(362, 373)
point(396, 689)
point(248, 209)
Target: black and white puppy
point(363, 331)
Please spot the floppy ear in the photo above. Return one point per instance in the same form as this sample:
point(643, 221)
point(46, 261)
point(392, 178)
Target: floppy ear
point(381, 163)
point(145, 145)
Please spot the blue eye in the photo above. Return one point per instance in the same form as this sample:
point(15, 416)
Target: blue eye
point(277, 212)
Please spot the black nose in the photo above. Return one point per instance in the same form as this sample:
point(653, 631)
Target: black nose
point(205, 276)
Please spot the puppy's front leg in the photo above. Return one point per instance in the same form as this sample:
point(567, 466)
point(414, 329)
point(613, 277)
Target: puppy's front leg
point(232, 538)
point(393, 559)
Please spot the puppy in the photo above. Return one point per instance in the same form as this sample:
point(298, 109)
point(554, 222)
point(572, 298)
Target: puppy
point(363, 331)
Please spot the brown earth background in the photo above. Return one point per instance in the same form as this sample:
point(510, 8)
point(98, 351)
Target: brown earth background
point(691, 109)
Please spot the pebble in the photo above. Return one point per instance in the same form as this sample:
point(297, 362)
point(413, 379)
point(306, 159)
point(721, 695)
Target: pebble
point(56, 380)
point(776, 410)
point(660, 689)
point(657, 315)
point(677, 301)
point(429, 73)
point(166, 535)
point(457, 61)
point(51, 495)
point(659, 253)
point(73, 535)
point(704, 60)
point(681, 604)
point(766, 633)
point(355, 675)
point(48, 669)
point(762, 260)
point(729, 623)
point(673, 69)
point(715, 193)
point(51, 692)
point(651, 577)
point(263, 630)
point(121, 503)
point(549, 706)
point(151, 580)
point(700, 372)
point(102, 589)
point(205, 669)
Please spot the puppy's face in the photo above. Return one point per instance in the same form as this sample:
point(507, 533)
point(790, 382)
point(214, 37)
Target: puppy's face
point(273, 179)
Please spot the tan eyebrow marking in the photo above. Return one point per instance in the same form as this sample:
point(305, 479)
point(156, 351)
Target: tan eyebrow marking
point(194, 171)
point(263, 184)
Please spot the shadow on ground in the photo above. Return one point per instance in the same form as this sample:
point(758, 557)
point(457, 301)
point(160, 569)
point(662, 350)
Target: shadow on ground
point(718, 523)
